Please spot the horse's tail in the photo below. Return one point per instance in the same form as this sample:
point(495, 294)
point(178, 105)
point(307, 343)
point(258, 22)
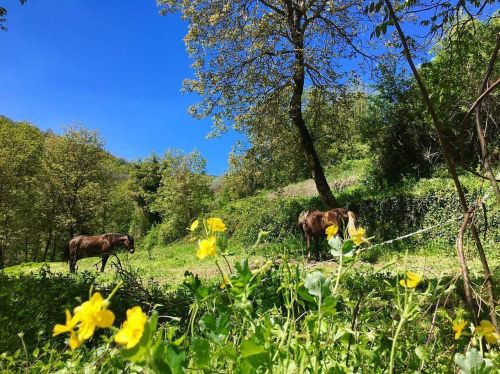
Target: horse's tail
point(352, 220)
point(302, 217)
point(66, 252)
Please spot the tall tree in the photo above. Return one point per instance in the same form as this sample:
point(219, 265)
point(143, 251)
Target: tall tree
point(184, 192)
point(21, 149)
point(77, 180)
point(248, 51)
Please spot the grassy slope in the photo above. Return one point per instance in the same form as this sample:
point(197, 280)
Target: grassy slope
point(167, 264)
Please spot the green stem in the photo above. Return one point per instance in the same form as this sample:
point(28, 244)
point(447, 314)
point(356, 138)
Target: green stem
point(404, 316)
point(339, 271)
point(318, 333)
point(394, 341)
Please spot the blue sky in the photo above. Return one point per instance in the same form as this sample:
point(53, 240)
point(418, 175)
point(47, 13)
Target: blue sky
point(114, 65)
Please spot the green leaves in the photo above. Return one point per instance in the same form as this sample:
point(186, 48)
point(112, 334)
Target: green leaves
point(473, 363)
point(200, 349)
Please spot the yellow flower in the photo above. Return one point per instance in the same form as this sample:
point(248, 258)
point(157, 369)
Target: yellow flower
point(357, 235)
point(68, 327)
point(225, 282)
point(206, 247)
point(458, 326)
point(194, 225)
point(131, 332)
point(488, 330)
point(411, 280)
point(92, 314)
point(216, 225)
point(74, 341)
point(331, 231)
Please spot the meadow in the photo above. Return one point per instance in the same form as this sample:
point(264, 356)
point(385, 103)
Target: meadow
point(384, 110)
point(277, 312)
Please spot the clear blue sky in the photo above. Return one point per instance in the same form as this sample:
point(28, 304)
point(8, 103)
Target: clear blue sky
point(113, 65)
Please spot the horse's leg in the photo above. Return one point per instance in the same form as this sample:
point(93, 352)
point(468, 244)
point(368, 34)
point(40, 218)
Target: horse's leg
point(104, 260)
point(316, 246)
point(72, 264)
point(308, 246)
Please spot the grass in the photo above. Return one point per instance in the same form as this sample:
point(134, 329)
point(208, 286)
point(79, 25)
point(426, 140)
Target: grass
point(166, 265)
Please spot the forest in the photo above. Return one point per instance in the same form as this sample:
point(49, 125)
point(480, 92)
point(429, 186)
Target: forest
point(387, 109)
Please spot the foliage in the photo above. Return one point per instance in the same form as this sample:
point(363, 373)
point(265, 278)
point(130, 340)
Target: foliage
point(53, 187)
point(274, 157)
point(183, 194)
point(144, 183)
point(283, 317)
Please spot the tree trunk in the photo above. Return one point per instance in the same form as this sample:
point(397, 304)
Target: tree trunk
point(54, 245)
point(2, 261)
point(296, 115)
point(485, 156)
point(47, 246)
point(26, 248)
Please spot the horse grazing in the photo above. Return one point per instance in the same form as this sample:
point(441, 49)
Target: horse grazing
point(314, 222)
point(93, 246)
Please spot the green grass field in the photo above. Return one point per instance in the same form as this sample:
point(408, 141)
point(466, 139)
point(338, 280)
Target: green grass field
point(166, 265)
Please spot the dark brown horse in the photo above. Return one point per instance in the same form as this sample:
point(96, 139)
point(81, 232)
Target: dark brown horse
point(96, 246)
point(314, 222)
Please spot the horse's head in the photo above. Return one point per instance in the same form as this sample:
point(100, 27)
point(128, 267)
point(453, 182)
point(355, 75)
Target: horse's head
point(129, 243)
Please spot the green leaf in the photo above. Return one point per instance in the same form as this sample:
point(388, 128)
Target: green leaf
point(422, 353)
point(250, 347)
point(201, 351)
point(473, 363)
point(317, 284)
point(335, 243)
point(175, 359)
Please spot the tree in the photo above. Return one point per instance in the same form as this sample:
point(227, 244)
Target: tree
point(248, 51)
point(77, 180)
point(184, 192)
point(274, 157)
point(21, 150)
point(3, 15)
point(144, 183)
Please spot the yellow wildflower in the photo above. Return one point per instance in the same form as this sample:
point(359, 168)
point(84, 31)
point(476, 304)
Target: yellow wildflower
point(357, 235)
point(206, 247)
point(411, 280)
point(68, 327)
point(131, 332)
point(74, 341)
point(488, 330)
point(92, 314)
point(331, 231)
point(225, 282)
point(194, 225)
point(458, 326)
point(216, 225)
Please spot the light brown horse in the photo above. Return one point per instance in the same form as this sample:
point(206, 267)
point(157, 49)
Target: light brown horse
point(96, 246)
point(314, 222)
